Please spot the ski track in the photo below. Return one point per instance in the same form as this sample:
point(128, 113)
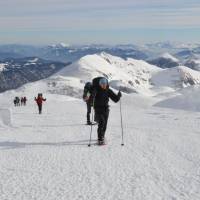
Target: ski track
point(46, 157)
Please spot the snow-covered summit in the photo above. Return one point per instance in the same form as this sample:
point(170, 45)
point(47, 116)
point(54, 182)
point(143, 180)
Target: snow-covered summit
point(165, 60)
point(193, 64)
point(169, 56)
point(176, 77)
point(129, 75)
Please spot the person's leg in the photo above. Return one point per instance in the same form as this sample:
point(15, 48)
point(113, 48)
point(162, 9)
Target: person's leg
point(40, 108)
point(105, 121)
point(88, 112)
point(100, 117)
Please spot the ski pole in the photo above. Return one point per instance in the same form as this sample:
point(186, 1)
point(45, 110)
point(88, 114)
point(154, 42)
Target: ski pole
point(122, 130)
point(92, 118)
point(91, 128)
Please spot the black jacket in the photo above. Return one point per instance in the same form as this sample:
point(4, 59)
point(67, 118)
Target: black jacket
point(101, 98)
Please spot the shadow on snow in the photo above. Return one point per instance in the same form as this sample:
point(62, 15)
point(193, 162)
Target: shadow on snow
point(13, 145)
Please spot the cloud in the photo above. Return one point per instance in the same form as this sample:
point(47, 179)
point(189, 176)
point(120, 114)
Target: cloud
point(94, 15)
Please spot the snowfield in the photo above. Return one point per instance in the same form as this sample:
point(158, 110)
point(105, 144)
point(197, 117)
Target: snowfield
point(46, 157)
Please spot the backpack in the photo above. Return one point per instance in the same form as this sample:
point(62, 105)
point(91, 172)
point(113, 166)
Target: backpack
point(88, 85)
point(95, 83)
point(87, 90)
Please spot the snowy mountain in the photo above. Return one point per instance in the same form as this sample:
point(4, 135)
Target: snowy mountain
point(166, 60)
point(16, 72)
point(193, 64)
point(129, 76)
point(176, 77)
point(186, 54)
point(64, 53)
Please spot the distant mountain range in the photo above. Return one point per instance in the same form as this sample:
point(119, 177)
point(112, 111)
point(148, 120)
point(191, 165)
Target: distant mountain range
point(15, 72)
point(165, 61)
point(20, 64)
point(66, 53)
point(129, 76)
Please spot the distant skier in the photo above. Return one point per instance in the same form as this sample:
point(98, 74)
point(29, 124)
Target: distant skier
point(22, 101)
point(25, 100)
point(102, 93)
point(17, 101)
point(39, 100)
point(87, 97)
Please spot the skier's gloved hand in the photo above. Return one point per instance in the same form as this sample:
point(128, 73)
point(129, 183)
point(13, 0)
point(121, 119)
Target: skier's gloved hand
point(119, 94)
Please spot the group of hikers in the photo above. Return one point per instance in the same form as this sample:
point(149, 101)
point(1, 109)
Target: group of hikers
point(20, 101)
point(96, 94)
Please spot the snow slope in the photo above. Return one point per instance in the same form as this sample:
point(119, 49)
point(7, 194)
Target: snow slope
point(169, 56)
point(46, 156)
point(5, 117)
point(129, 75)
point(176, 77)
point(187, 99)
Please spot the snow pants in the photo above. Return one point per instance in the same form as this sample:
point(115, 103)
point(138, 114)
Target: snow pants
point(101, 116)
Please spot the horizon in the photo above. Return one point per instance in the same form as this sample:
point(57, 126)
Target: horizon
point(105, 22)
point(100, 44)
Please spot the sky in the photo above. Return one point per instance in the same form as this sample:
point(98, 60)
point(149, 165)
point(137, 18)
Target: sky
point(99, 21)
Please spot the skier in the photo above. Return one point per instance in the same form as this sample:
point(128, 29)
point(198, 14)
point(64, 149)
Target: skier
point(25, 99)
point(101, 94)
point(39, 100)
point(15, 102)
point(22, 101)
point(87, 97)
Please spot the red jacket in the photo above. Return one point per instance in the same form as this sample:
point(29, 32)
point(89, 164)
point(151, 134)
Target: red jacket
point(39, 100)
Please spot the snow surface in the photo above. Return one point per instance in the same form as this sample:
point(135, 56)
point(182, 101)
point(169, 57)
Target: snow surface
point(5, 117)
point(46, 156)
point(187, 99)
point(176, 77)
